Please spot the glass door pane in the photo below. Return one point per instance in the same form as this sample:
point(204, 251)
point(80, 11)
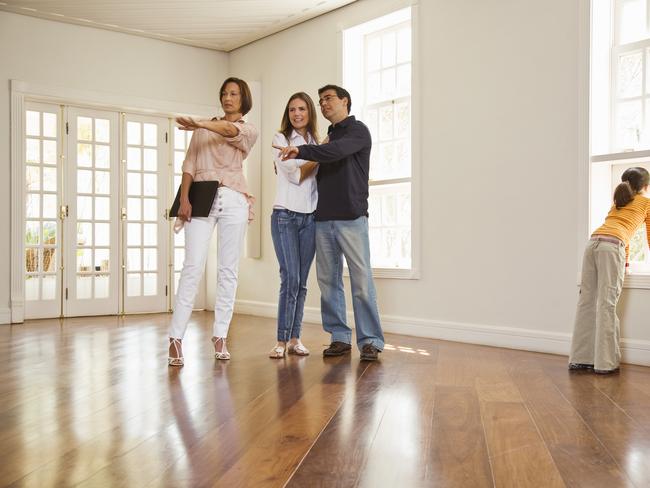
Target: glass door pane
point(92, 244)
point(42, 231)
point(145, 228)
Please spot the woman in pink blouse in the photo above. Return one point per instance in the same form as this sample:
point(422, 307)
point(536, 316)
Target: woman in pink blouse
point(217, 151)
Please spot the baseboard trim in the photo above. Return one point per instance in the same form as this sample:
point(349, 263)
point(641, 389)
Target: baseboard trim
point(634, 351)
point(5, 315)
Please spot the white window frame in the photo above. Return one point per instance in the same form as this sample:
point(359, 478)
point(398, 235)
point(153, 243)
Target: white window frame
point(357, 107)
point(601, 111)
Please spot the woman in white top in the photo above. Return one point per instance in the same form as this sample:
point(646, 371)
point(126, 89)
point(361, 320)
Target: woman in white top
point(292, 222)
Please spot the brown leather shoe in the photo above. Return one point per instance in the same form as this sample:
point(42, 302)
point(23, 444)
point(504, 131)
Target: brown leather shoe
point(337, 349)
point(369, 353)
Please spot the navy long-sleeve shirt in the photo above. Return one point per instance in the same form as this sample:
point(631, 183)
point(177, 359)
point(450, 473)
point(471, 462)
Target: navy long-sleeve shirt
point(343, 173)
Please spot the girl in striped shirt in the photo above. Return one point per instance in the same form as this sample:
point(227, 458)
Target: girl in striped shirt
point(595, 344)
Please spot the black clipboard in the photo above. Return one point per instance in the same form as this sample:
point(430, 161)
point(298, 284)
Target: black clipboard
point(201, 195)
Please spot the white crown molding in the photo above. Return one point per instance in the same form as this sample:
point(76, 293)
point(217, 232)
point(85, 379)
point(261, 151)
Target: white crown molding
point(105, 100)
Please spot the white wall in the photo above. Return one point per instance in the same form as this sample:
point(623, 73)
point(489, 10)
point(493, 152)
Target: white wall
point(501, 144)
point(57, 54)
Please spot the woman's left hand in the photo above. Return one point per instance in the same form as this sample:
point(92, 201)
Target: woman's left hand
point(188, 123)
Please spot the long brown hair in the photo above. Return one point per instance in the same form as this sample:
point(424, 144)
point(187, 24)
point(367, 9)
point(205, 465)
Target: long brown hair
point(633, 181)
point(312, 125)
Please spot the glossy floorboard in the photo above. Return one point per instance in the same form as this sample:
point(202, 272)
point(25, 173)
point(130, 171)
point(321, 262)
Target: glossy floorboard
point(91, 403)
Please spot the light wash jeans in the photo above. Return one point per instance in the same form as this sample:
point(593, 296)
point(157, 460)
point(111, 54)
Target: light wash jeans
point(596, 332)
point(349, 238)
point(230, 213)
point(293, 236)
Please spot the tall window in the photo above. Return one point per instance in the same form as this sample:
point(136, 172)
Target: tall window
point(377, 72)
point(620, 107)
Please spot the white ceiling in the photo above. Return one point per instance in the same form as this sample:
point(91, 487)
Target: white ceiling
point(222, 25)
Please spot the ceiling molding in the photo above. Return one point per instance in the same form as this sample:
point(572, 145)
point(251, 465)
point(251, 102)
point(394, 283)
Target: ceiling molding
point(220, 25)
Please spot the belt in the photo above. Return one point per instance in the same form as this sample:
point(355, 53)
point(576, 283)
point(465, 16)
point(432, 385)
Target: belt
point(613, 239)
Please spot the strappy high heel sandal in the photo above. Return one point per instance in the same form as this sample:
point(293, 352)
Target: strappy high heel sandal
point(277, 352)
point(219, 354)
point(178, 360)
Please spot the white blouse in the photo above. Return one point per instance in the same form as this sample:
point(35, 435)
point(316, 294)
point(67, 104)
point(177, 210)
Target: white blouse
point(291, 193)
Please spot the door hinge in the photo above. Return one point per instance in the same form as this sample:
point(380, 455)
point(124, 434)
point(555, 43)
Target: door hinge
point(67, 128)
point(166, 137)
point(166, 287)
point(66, 293)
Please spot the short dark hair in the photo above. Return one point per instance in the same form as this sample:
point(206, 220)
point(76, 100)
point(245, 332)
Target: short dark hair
point(245, 92)
point(340, 92)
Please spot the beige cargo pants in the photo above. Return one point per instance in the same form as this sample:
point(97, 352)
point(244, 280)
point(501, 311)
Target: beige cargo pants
point(596, 331)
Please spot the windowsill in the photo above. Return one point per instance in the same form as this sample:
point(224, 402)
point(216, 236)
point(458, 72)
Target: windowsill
point(638, 280)
point(625, 155)
point(393, 273)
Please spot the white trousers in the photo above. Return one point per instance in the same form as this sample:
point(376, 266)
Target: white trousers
point(230, 213)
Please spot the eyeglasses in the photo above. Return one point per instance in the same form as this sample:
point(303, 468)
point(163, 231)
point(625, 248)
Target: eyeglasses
point(326, 99)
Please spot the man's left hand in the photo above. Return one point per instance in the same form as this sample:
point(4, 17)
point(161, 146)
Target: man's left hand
point(288, 152)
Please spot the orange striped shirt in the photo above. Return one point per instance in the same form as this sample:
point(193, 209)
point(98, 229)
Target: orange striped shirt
point(623, 222)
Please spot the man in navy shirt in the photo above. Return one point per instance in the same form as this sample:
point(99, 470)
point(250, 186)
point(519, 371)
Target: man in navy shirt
point(342, 225)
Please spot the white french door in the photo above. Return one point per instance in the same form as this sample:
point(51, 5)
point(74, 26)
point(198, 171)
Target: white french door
point(98, 185)
point(145, 229)
point(42, 229)
point(92, 250)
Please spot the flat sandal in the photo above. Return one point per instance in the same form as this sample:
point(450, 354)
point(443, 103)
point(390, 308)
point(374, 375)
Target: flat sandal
point(298, 349)
point(278, 352)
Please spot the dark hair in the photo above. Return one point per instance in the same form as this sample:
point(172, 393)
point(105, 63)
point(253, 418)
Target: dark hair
point(340, 92)
point(312, 125)
point(633, 181)
point(245, 92)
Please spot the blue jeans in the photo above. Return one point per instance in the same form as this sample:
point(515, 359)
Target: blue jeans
point(293, 240)
point(349, 238)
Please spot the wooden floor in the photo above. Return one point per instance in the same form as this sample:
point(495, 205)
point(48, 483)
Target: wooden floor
point(91, 402)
